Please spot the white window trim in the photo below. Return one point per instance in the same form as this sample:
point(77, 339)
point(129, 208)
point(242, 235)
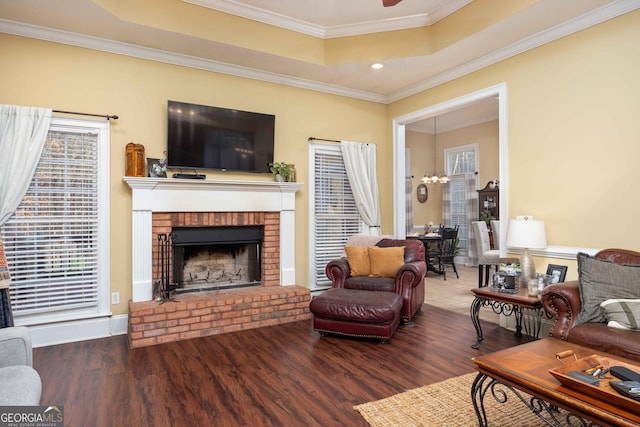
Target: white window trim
point(315, 147)
point(103, 304)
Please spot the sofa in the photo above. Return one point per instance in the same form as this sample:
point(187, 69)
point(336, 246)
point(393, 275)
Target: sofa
point(407, 281)
point(21, 384)
point(584, 307)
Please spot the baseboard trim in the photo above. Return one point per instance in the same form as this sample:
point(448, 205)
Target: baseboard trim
point(79, 330)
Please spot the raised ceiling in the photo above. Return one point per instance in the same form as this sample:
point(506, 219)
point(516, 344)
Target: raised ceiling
point(325, 45)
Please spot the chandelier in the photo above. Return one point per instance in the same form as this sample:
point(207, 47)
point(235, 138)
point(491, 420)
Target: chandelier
point(435, 177)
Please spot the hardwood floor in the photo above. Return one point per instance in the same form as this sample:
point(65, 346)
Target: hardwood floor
point(283, 375)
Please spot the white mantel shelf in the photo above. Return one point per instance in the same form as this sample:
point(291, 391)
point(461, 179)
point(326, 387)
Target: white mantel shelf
point(201, 195)
point(195, 195)
point(150, 183)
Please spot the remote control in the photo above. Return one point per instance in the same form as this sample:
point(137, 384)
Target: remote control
point(581, 376)
point(627, 388)
point(625, 374)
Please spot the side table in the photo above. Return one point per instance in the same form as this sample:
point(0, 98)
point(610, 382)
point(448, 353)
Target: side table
point(508, 303)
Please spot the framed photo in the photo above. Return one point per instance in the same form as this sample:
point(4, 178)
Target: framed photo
point(504, 282)
point(557, 273)
point(156, 168)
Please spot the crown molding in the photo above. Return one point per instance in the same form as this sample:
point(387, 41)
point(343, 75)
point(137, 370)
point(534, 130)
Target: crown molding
point(136, 51)
point(594, 17)
point(261, 15)
point(414, 21)
point(579, 23)
point(267, 17)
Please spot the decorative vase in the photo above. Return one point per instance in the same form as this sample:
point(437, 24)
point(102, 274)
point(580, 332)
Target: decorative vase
point(279, 178)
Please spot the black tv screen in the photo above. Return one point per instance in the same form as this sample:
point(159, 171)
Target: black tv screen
point(203, 137)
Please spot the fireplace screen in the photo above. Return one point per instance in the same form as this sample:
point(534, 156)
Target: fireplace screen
point(209, 258)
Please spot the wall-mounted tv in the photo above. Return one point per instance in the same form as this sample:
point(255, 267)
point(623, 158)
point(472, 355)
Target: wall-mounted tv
point(203, 137)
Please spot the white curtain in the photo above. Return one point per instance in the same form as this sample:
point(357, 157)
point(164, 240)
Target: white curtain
point(23, 131)
point(360, 164)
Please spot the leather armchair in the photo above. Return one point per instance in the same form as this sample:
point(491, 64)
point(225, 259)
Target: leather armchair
point(408, 281)
point(563, 300)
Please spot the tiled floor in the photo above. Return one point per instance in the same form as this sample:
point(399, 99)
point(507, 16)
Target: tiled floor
point(455, 293)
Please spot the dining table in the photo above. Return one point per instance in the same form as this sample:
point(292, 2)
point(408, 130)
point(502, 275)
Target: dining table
point(431, 242)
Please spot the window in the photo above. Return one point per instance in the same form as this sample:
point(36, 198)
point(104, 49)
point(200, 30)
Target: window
point(461, 160)
point(56, 243)
point(460, 163)
point(333, 212)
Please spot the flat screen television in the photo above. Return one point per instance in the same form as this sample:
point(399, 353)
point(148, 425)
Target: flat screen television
point(203, 137)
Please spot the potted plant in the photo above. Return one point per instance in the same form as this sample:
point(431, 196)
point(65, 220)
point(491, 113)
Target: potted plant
point(283, 171)
point(486, 216)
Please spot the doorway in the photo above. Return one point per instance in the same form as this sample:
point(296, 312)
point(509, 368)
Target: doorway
point(400, 125)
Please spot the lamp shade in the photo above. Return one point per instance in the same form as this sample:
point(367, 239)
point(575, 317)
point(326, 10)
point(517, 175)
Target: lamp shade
point(526, 233)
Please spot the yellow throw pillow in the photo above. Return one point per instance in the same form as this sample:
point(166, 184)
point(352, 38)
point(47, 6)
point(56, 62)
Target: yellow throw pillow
point(358, 258)
point(385, 262)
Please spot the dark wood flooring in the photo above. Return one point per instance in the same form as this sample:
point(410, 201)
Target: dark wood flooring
point(284, 375)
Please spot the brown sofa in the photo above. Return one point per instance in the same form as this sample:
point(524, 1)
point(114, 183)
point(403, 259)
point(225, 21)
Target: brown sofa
point(408, 281)
point(564, 300)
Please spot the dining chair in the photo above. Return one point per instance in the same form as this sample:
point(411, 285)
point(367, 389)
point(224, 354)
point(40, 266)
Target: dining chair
point(486, 256)
point(495, 230)
point(447, 250)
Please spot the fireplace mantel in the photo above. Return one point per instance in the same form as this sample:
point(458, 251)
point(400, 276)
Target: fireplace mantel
point(185, 195)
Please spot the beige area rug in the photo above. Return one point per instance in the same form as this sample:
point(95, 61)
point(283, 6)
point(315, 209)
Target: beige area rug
point(447, 403)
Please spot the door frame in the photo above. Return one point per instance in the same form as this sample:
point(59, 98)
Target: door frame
point(399, 144)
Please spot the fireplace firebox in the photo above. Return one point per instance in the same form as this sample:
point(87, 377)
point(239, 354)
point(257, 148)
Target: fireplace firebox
point(213, 258)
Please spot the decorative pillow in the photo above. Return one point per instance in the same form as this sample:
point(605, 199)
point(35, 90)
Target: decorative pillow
point(385, 262)
point(600, 280)
point(358, 258)
point(622, 313)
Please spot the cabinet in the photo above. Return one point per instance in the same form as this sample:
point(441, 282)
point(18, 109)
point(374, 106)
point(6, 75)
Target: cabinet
point(489, 200)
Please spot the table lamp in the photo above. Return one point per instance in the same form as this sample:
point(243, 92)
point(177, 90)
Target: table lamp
point(526, 233)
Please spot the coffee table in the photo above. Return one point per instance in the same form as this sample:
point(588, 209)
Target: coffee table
point(525, 368)
point(507, 304)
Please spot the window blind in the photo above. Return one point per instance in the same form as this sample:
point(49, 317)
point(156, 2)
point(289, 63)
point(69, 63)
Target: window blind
point(336, 216)
point(457, 187)
point(460, 160)
point(51, 242)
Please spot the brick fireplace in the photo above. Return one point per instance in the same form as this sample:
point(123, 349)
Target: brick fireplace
point(162, 205)
point(166, 222)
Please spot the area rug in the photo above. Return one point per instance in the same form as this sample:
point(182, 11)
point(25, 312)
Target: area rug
point(447, 403)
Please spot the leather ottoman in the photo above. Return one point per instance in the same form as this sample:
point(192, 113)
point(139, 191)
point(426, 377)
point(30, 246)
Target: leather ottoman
point(355, 313)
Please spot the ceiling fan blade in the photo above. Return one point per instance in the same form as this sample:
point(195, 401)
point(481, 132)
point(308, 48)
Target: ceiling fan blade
point(387, 3)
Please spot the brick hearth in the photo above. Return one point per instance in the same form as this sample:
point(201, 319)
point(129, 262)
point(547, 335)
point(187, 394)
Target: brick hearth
point(217, 312)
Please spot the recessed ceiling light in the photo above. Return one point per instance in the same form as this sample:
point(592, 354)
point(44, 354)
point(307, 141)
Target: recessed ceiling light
point(377, 66)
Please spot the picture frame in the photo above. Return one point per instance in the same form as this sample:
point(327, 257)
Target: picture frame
point(156, 168)
point(506, 282)
point(557, 273)
point(422, 193)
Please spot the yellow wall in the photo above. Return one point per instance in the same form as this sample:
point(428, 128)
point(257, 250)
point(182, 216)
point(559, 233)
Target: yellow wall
point(485, 135)
point(420, 147)
point(573, 135)
point(572, 127)
point(39, 73)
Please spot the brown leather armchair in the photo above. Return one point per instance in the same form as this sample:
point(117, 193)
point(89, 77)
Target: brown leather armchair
point(563, 300)
point(408, 282)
